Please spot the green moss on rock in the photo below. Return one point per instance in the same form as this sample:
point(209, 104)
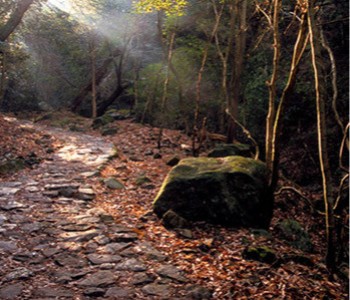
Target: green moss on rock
point(230, 191)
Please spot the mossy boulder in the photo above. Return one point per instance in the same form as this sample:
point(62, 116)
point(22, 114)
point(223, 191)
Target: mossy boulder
point(231, 191)
point(223, 150)
point(295, 235)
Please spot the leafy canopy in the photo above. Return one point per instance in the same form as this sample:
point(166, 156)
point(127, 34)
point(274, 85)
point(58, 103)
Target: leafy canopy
point(170, 7)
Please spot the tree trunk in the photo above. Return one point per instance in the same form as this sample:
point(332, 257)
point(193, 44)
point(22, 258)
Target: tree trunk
point(100, 74)
point(102, 107)
point(321, 94)
point(272, 84)
point(14, 19)
point(93, 79)
point(285, 98)
point(240, 45)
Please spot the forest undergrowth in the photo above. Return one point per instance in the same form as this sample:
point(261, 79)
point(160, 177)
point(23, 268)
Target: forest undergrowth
point(212, 256)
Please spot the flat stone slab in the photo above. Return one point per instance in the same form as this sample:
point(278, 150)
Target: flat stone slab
point(56, 293)
point(114, 248)
point(119, 293)
point(11, 291)
point(67, 260)
point(160, 290)
point(99, 279)
point(98, 259)
point(80, 236)
point(171, 272)
point(8, 246)
point(132, 264)
point(12, 205)
point(5, 191)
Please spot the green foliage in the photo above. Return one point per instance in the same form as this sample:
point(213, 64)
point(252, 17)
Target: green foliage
point(170, 7)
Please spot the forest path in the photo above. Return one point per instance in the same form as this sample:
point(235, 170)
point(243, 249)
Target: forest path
point(56, 244)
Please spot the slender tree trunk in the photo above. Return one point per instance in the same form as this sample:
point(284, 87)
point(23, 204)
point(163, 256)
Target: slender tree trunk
point(93, 77)
point(199, 81)
point(321, 95)
point(100, 74)
point(286, 96)
point(240, 45)
point(165, 87)
point(272, 84)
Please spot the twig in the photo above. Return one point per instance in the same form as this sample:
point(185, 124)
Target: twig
point(247, 133)
point(295, 190)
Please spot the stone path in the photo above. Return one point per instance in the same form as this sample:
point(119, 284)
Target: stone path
point(55, 244)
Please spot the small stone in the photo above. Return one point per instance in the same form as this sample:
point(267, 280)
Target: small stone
point(113, 248)
point(142, 279)
point(8, 246)
point(99, 279)
point(263, 254)
point(171, 272)
point(172, 220)
point(12, 205)
point(48, 252)
point(3, 219)
point(125, 237)
point(80, 236)
point(157, 156)
point(10, 292)
point(113, 184)
point(5, 191)
point(20, 273)
point(119, 293)
point(56, 293)
point(132, 264)
point(98, 259)
point(186, 233)
point(173, 161)
point(86, 194)
point(66, 260)
point(198, 293)
point(160, 290)
point(94, 292)
point(150, 252)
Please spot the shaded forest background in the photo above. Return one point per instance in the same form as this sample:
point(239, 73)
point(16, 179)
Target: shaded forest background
point(196, 68)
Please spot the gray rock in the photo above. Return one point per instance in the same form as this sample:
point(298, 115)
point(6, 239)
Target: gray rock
point(94, 292)
point(143, 278)
point(171, 272)
point(124, 237)
point(99, 279)
point(150, 252)
point(113, 184)
point(80, 236)
point(56, 293)
point(48, 252)
point(12, 205)
point(20, 273)
point(132, 264)
point(3, 219)
point(160, 290)
point(86, 194)
point(114, 248)
point(119, 293)
point(98, 259)
point(70, 260)
point(197, 292)
point(11, 291)
point(6, 191)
